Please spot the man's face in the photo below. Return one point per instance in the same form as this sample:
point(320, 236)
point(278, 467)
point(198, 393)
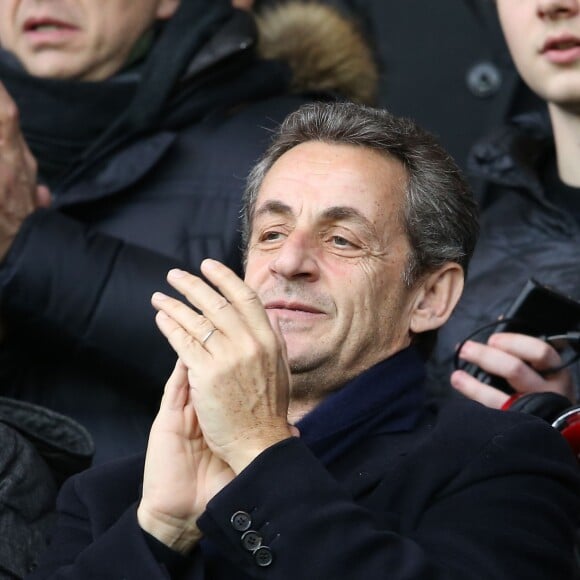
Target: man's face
point(77, 39)
point(326, 256)
point(544, 39)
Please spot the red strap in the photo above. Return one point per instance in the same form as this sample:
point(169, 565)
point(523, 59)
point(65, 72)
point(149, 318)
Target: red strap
point(511, 401)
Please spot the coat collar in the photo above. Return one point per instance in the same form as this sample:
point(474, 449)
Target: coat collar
point(511, 155)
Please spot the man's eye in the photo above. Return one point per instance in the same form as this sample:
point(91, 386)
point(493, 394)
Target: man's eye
point(341, 242)
point(271, 236)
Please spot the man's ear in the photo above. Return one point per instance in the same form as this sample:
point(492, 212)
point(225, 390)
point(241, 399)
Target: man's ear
point(166, 9)
point(438, 294)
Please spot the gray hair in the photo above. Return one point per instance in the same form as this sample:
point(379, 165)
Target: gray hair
point(439, 216)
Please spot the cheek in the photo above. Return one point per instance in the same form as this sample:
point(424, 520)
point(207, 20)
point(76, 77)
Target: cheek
point(384, 291)
point(257, 268)
point(116, 26)
point(7, 28)
point(357, 289)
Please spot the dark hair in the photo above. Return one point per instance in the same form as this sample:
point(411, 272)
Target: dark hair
point(440, 216)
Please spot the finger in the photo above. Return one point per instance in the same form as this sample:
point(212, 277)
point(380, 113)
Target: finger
point(204, 298)
point(275, 325)
point(176, 392)
point(194, 324)
point(235, 318)
point(538, 353)
point(188, 348)
point(294, 430)
point(495, 361)
point(27, 156)
point(237, 292)
point(473, 389)
point(9, 124)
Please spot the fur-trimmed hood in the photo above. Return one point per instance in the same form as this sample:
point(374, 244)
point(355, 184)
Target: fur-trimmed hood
point(325, 51)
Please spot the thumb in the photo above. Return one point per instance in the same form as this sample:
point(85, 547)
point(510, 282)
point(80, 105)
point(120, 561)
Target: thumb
point(275, 323)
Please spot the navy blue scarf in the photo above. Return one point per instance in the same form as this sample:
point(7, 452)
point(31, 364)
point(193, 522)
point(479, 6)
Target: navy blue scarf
point(387, 398)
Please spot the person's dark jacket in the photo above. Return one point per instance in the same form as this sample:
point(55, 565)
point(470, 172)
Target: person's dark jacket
point(470, 493)
point(39, 449)
point(524, 234)
point(160, 188)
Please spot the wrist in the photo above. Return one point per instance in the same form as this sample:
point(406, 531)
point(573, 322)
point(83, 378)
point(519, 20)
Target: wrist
point(179, 535)
point(247, 451)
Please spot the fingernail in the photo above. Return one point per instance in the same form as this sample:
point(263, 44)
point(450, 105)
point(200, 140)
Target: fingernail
point(208, 264)
point(176, 273)
point(465, 347)
point(456, 378)
point(162, 316)
point(159, 296)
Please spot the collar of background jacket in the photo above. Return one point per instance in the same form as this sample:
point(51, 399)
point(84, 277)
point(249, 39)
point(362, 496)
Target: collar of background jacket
point(512, 155)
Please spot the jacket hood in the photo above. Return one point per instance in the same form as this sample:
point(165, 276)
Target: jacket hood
point(325, 51)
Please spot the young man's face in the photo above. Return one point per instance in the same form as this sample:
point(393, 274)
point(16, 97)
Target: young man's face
point(77, 39)
point(544, 39)
point(326, 256)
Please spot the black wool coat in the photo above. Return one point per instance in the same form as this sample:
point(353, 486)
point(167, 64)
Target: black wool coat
point(470, 493)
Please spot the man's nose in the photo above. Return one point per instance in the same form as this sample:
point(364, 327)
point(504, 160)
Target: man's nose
point(297, 257)
point(555, 9)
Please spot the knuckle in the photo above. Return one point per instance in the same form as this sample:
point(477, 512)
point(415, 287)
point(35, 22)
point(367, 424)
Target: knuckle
point(186, 339)
point(249, 296)
point(253, 348)
point(220, 303)
point(547, 353)
point(515, 370)
point(203, 325)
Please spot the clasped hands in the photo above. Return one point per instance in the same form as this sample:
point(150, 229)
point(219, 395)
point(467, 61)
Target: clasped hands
point(20, 193)
point(225, 402)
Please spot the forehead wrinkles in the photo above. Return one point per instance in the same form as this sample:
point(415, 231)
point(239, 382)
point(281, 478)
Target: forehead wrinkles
point(351, 172)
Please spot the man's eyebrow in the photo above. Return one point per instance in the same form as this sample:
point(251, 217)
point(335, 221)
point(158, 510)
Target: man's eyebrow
point(273, 207)
point(334, 213)
point(347, 213)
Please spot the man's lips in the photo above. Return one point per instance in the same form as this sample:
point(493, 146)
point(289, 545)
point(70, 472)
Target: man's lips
point(46, 23)
point(293, 307)
point(562, 49)
point(48, 32)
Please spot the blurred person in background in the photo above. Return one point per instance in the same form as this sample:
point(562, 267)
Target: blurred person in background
point(445, 64)
point(531, 212)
